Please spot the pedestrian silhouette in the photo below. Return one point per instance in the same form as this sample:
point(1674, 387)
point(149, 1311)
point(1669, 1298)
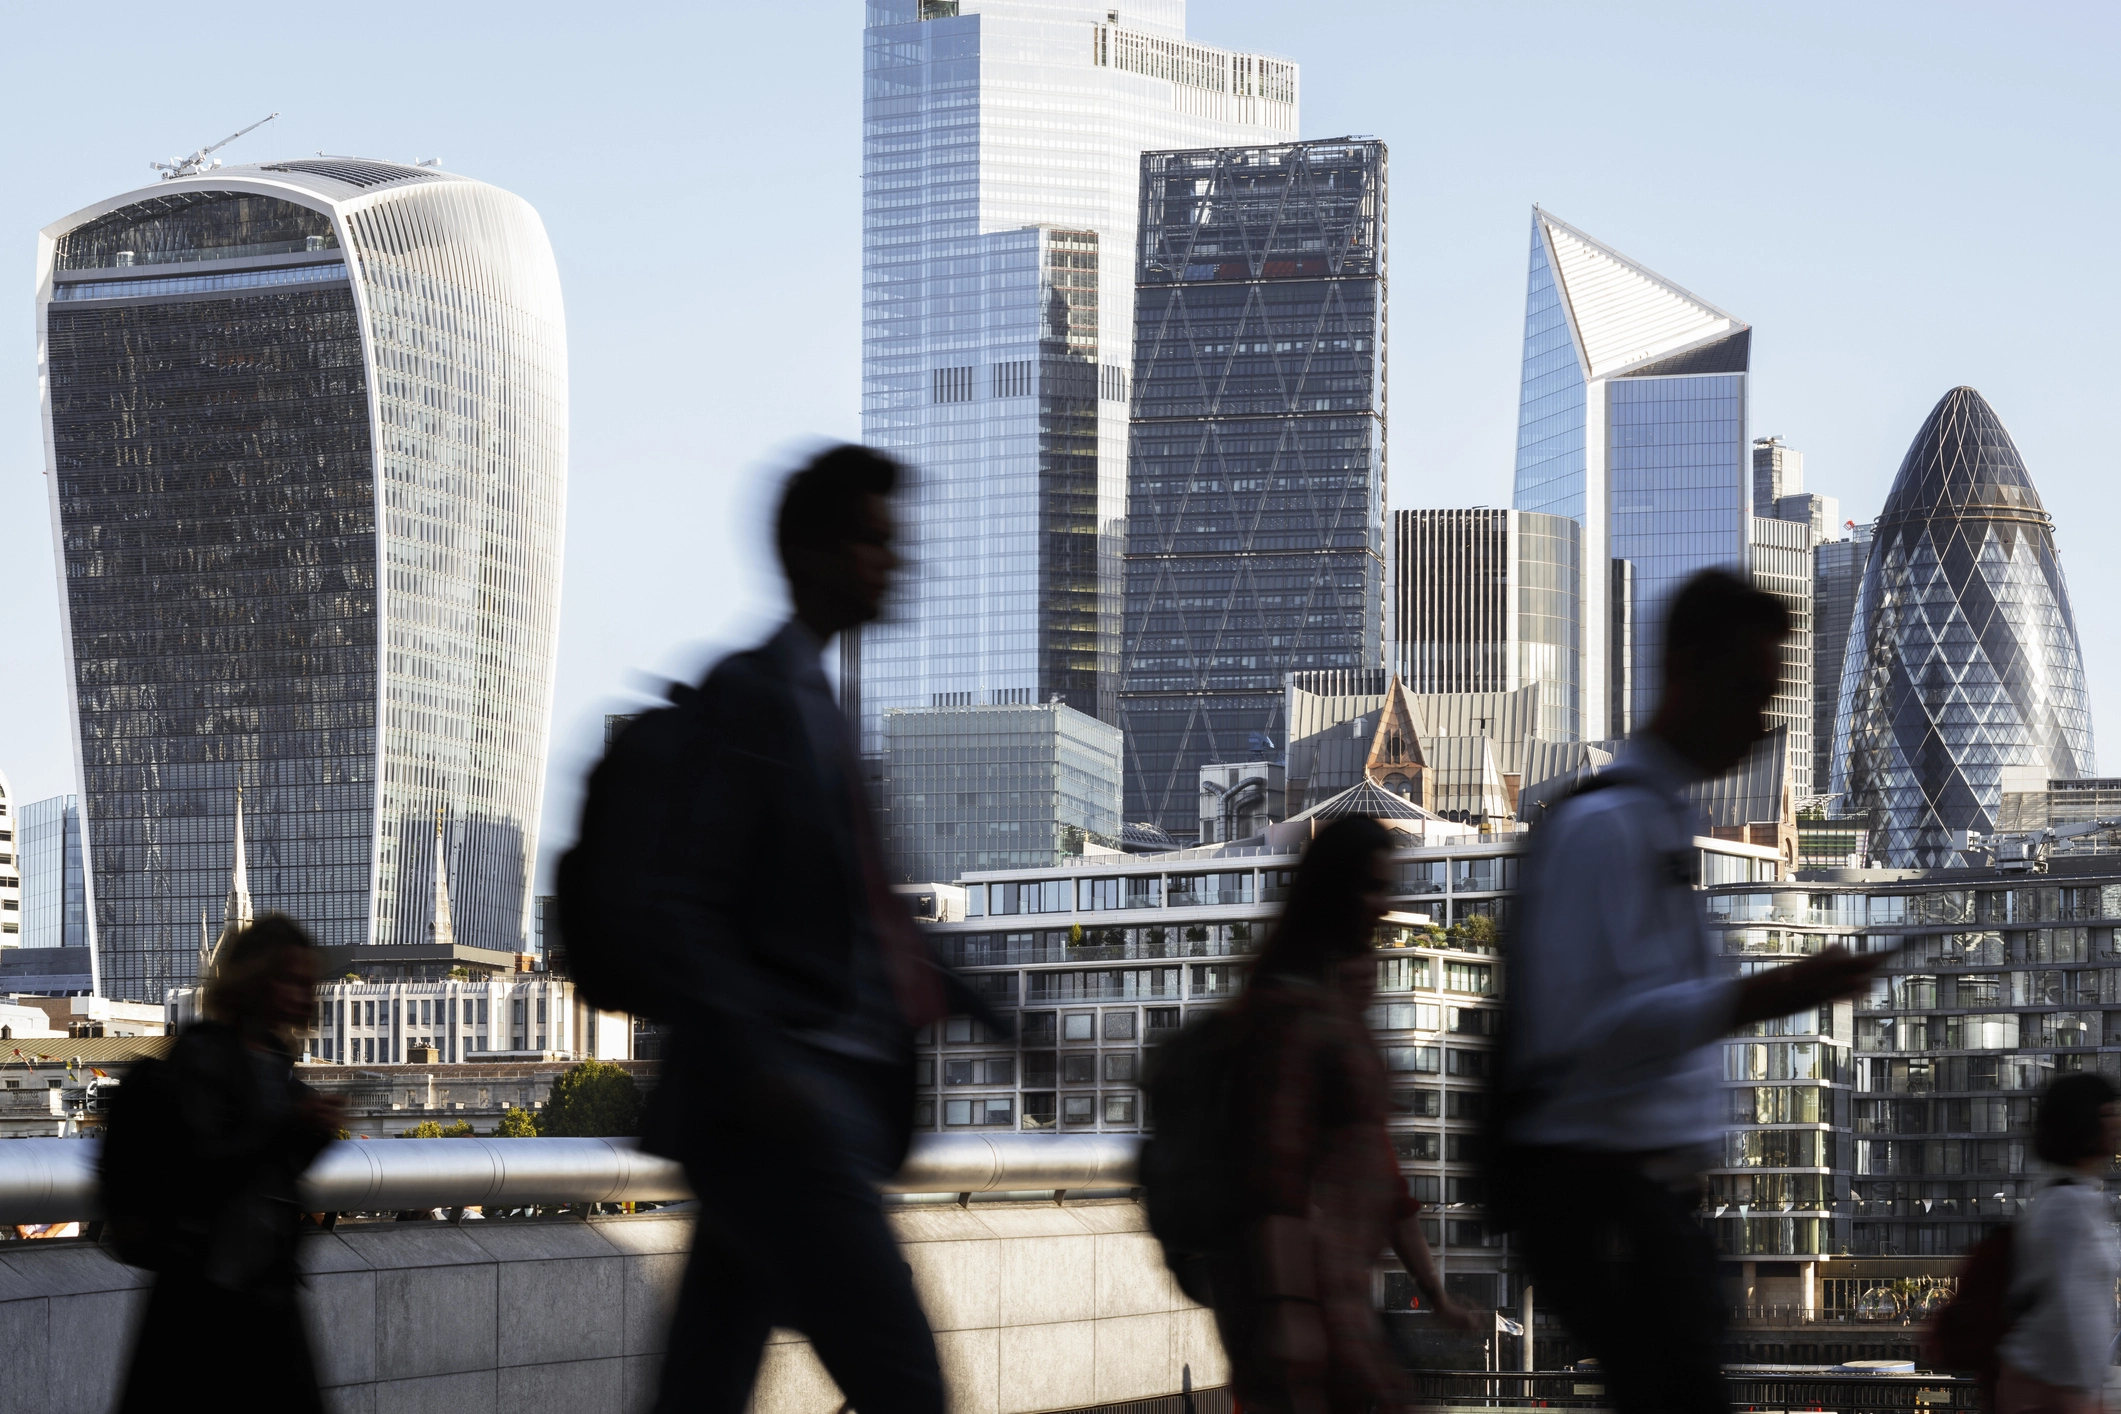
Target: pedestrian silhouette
point(1607, 1111)
point(199, 1175)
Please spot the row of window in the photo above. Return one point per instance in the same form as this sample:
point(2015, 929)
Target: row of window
point(1221, 888)
point(2041, 904)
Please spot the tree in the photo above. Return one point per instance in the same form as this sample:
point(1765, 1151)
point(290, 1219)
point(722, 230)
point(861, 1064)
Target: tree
point(429, 1129)
point(517, 1124)
point(594, 1100)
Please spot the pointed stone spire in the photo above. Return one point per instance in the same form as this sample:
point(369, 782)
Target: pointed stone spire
point(206, 950)
point(236, 911)
point(442, 931)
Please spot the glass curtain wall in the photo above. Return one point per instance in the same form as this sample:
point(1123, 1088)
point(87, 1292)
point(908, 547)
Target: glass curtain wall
point(1000, 171)
point(1256, 488)
point(54, 899)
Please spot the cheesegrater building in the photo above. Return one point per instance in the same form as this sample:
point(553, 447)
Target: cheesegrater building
point(1256, 473)
point(1962, 659)
point(306, 429)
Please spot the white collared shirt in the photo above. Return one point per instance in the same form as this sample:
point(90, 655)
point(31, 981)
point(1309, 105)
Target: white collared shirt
point(1617, 995)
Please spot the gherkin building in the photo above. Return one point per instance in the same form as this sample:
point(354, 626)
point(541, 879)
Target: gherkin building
point(1962, 658)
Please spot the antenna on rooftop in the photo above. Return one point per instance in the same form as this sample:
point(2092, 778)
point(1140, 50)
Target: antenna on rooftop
point(193, 165)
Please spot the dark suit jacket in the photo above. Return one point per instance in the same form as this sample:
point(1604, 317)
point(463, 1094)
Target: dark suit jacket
point(752, 891)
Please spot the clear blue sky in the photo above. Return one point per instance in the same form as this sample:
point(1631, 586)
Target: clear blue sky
point(1899, 198)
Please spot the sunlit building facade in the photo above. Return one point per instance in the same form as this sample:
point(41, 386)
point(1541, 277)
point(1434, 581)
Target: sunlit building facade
point(54, 884)
point(1632, 422)
point(1256, 474)
point(1001, 165)
point(1962, 662)
point(307, 427)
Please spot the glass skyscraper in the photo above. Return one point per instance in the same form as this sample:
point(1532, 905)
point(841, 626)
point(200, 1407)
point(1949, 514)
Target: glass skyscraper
point(54, 887)
point(1962, 659)
point(1837, 571)
point(1256, 479)
point(1631, 421)
point(308, 432)
point(1001, 165)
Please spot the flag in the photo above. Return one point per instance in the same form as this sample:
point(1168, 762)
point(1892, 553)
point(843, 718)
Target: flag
point(100, 1075)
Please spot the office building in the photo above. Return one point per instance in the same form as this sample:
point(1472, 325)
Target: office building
point(1100, 959)
point(11, 844)
point(447, 1022)
point(1458, 754)
point(1001, 171)
point(1837, 572)
point(308, 430)
point(1631, 421)
point(1486, 601)
point(1241, 799)
point(1962, 660)
point(968, 788)
point(54, 884)
point(1780, 552)
point(1256, 479)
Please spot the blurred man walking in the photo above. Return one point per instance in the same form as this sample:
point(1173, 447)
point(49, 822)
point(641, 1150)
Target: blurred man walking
point(1609, 1099)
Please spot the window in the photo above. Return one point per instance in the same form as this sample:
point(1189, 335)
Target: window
point(1422, 1060)
point(1163, 1019)
point(1274, 885)
point(1078, 1068)
point(964, 1031)
point(1473, 1021)
point(979, 1112)
point(1040, 1067)
point(1079, 1109)
point(952, 385)
point(1145, 891)
point(1423, 876)
point(1472, 1064)
point(923, 1114)
point(1038, 1028)
point(1469, 1104)
point(1419, 1147)
point(427, 1013)
point(924, 1072)
point(1119, 1066)
point(1119, 1026)
point(1079, 1026)
point(1475, 977)
point(1422, 1187)
point(1092, 895)
point(1419, 1103)
point(1039, 1110)
point(1000, 1070)
point(1405, 1016)
point(1402, 974)
point(1119, 1109)
point(957, 1072)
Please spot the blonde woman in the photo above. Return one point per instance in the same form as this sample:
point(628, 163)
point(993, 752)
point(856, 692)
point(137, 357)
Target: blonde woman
point(240, 1130)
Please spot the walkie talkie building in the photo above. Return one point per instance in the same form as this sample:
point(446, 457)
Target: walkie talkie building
point(306, 429)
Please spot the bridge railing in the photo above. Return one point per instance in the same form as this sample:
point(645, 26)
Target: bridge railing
point(54, 1180)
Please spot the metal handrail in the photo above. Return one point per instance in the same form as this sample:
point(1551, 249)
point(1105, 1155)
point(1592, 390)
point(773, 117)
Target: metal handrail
point(54, 1180)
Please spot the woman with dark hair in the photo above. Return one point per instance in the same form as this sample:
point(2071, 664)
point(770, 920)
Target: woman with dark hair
point(243, 1130)
point(1321, 1188)
point(2064, 1258)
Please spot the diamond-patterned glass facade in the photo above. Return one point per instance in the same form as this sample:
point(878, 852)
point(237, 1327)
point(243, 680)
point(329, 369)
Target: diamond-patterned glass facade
point(1962, 654)
point(1256, 473)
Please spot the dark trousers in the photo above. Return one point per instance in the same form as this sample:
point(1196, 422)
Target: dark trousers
point(243, 1350)
point(1625, 1262)
point(794, 1235)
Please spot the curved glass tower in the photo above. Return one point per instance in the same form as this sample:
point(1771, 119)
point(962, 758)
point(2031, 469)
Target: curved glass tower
point(307, 435)
point(1962, 654)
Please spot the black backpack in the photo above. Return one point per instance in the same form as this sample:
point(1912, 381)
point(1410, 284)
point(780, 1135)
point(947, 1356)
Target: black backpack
point(603, 928)
point(145, 1142)
point(1188, 1166)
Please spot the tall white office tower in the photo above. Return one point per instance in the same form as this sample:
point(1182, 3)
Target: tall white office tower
point(307, 424)
point(10, 868)
point(1001, 188)
point(1631, 422)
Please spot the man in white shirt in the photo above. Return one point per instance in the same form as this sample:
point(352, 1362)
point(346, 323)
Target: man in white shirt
point(1610, 1102)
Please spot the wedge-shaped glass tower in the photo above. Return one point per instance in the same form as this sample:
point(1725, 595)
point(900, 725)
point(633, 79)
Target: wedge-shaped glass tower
point(307, 428)
point(1962, 659)
point(1631, 421)
point(1256, 474)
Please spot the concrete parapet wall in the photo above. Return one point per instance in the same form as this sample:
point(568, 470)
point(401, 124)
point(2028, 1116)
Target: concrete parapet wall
point(1036, 1307)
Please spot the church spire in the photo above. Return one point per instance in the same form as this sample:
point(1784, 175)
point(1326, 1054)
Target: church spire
point(443, 930)
point(236, 909)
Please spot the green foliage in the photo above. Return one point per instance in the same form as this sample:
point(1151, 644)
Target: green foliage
point(429, 1129)
point(1075, 935)
point(1477, 931)
point(1196, 934)
point(594, 1100)
point(517, 1124)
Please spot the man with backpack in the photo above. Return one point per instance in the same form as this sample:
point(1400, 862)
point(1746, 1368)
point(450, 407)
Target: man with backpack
point(1608, 1107)
point(728, 881)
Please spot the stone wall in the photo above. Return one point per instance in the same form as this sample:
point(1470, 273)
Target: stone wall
point(1036, 1307)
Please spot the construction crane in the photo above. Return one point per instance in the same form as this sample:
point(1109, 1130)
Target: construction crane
point(193, 165)
point(2027, 851)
